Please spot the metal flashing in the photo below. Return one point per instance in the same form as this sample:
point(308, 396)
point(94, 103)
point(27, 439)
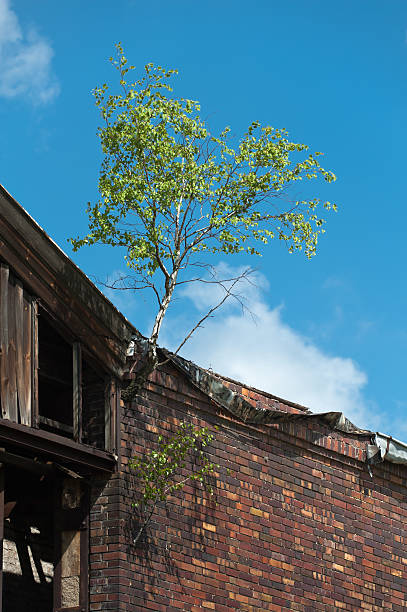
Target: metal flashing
point(215, 388)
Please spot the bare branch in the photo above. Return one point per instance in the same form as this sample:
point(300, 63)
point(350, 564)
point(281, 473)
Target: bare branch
point(228, 294)
point(122, 283)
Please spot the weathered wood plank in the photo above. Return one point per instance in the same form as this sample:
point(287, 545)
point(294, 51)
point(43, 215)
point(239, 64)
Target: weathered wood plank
point(77, 391)
point(117, 401)
point(57, 546)
point(26, 416)
point(109, 391)
point(4, 366)
point(84, 584)
point(108, 335)
point(1, 531)
point(20, 370)
point(55, 424)
point(64, 450)
point(12, 357)
point(34, 363)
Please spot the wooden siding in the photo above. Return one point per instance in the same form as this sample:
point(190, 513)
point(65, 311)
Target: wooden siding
point(16, 373)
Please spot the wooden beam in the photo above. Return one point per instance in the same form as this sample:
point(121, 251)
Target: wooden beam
point(24, 408)
point(57, 546)
point(37, 467)
point(77, 391)
point(50, 468)
point(8, 508)
point(55, 424)
point(1, 532)
point(109, 416)
point(34, 363)
point(59, 448)
point(12, 353)
point(118, 421)
point(68, 472)
point(84, 552)
point(27, 411)
point(4, 367)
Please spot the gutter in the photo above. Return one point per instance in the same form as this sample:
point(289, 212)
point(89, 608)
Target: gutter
point(386, 448)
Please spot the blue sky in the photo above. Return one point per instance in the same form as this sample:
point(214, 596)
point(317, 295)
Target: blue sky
point(330, 333)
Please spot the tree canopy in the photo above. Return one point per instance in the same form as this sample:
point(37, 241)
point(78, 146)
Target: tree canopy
point(172, 192)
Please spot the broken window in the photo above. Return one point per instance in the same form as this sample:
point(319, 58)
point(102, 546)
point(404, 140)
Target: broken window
point(74, 394)
point(47, 380)
point(55, 379)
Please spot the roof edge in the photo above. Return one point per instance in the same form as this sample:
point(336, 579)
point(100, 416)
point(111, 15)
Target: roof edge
point(235, 404)
point(48, 251)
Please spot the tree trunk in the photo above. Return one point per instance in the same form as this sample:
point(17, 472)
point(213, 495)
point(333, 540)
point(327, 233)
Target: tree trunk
point(146, 365)
point(148, 360)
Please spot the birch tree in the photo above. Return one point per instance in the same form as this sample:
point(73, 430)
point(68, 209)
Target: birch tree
point(173, 194)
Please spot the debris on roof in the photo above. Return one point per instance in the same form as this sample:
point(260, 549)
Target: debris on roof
point(217, 390)
point(382, 447)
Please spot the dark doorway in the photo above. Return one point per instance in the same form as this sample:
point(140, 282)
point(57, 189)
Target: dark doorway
point(28, 545)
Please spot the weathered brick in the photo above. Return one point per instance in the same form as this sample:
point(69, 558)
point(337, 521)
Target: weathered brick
point(296, 524)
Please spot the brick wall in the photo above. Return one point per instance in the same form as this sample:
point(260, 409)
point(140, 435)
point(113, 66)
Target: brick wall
point(296, 522)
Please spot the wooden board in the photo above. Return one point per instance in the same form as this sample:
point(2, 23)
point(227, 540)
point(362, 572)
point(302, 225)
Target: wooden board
point(16, 349)
point(19, 337)
point(26, 401)
point(77, 391)
point(12, 356)
point(1, 531)
point(4, 366)
point(34, 363)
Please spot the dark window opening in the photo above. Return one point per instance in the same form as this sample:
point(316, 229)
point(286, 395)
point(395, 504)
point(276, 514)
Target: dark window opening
point(55, 380)
point(74, 394)
point(93, 405)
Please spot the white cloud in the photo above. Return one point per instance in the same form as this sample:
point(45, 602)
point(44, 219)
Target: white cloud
point(25, 61)
point(265, 352)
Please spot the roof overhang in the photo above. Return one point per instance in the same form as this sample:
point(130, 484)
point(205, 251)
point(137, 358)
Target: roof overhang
point(61, 286)
point(31, 443)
